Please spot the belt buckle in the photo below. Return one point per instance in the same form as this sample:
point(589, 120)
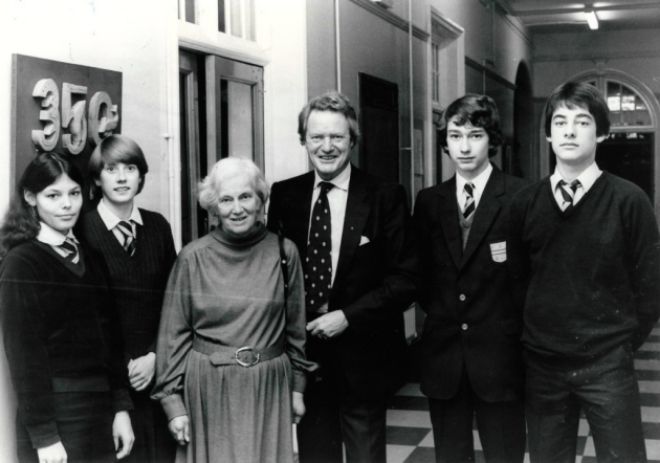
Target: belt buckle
point(253, 357)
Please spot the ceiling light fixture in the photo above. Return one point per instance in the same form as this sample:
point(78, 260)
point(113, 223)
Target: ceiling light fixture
point(592, 19)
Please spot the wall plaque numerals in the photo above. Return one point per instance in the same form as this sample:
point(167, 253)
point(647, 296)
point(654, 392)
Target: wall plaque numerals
point(76, 122)
point(103, 116)
point(46, 138)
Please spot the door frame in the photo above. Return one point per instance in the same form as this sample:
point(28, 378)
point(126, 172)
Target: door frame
point(450, 38)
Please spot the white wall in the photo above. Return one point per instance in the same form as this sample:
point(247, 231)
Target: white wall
point(281, 32)
point(419, 13)
point(121, 35)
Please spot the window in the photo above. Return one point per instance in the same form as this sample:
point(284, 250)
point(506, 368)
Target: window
point(233, 17)
point(627, 108)
point(187, 11)
point(236, 17)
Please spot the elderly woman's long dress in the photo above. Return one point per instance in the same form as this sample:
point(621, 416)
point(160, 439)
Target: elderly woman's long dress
point(229, 292)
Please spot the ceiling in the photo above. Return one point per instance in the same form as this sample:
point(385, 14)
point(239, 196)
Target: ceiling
point(558, 15)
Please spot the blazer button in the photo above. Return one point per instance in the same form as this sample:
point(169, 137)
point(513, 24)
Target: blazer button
point(462, 297)
point(464, 326)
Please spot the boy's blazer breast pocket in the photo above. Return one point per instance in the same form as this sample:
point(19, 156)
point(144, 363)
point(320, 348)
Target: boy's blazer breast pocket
point(498, 251)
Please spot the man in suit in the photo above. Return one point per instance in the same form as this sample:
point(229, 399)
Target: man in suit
point(471, 352)
point(352, 233)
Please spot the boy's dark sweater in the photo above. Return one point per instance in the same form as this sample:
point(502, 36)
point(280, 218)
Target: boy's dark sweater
point(593, 273)
point(137, 282)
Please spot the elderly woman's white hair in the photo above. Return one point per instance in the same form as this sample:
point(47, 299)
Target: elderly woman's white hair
point(228, 167)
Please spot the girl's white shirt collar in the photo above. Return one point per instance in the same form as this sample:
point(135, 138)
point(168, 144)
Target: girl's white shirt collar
point(48, 235)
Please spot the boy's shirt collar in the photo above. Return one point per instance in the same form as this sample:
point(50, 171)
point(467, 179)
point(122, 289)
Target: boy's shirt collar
point(111, 220)
point(479, 182)
point(587, 177)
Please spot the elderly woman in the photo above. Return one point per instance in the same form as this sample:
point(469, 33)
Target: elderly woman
point(230, 370)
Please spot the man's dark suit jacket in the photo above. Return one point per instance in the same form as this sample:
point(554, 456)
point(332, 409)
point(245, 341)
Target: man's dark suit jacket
point(473, 321)
point(374, 281)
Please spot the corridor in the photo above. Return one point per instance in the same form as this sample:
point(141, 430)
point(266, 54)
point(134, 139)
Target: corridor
point(410, 440)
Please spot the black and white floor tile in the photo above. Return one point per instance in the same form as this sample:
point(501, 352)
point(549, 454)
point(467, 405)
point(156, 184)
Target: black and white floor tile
point(410, 440)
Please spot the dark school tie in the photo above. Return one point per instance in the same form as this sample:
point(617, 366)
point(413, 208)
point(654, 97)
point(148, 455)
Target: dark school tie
point(469, 206)
point(567, 192)
point(126, 230)
point(70, 250)
point(318, 262)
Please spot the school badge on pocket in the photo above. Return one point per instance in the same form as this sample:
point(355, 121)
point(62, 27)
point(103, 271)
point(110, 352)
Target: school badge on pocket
point(498, 251)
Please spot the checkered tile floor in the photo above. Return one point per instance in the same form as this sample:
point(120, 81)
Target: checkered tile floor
point(410, 440)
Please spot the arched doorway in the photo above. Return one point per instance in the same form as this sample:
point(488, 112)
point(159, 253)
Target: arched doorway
point(631, 149)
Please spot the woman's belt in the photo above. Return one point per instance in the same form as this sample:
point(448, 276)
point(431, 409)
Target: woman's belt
point(246, 356)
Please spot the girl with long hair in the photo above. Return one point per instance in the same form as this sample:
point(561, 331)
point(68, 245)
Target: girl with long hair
point(60, 329)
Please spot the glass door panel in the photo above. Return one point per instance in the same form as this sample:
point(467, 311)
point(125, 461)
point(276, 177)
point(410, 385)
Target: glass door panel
point(238, 117)
point(234, 110)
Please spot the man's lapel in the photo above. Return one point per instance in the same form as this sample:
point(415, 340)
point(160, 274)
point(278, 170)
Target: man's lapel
point(448, 218)
point(488, 209)
point(357, 211)
point(299, 205)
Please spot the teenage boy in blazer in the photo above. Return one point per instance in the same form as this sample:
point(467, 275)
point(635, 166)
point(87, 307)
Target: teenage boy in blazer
point(471, 356)
point(354, 327)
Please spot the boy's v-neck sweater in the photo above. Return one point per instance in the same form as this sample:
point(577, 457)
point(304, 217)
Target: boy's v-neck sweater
point(594, 279)
point(137, 282)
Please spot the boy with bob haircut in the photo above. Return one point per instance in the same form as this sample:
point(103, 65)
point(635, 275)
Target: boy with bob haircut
point(471, 356)
point(590, 253)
